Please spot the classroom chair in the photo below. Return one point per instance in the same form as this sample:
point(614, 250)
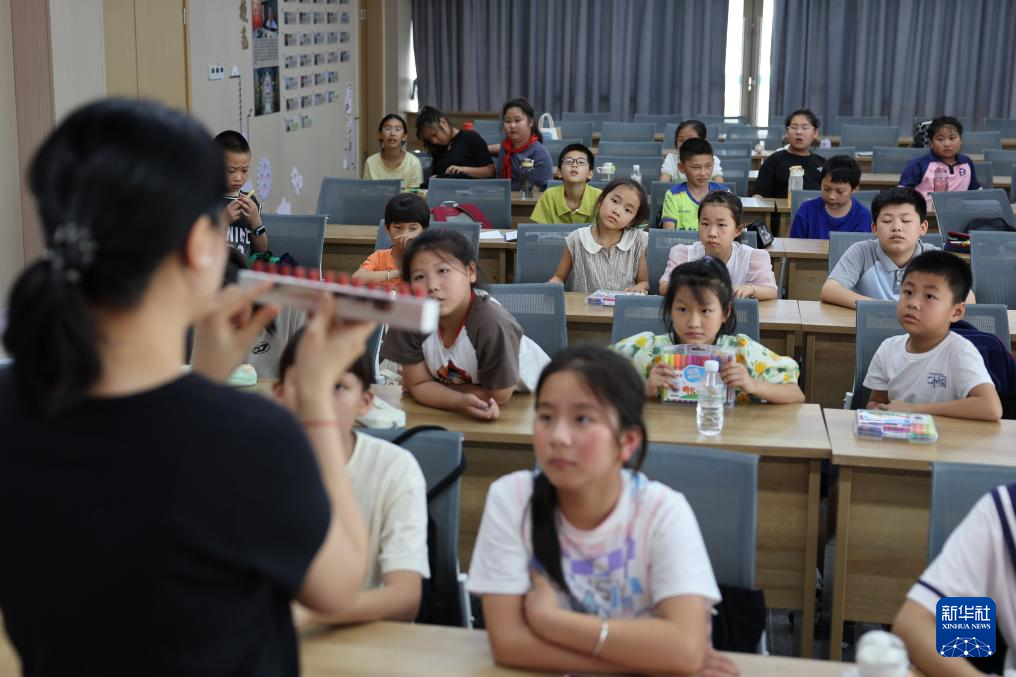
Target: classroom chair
point(649, 165)
point(749, 238)
point(627, 131)
point(736, 150)
point(748, 323)
point(736, 175)
point(538, 251)
point(493, 197)
point(955, 488)
point(992, 261)
point(555, 146)
point(668, 136)
point(866, 137)
point(978, 142)
point(849, 151)
point(578, 129)
point(483, 127)
point(857, 120)
point(956, 209)
point(1005, 126)
point(539, 309)
point(657, 192)
point(841, 242)
point(876, 321)
point(660, 121)
point(595, 183)
point(660, 243)
point(936, 239)
point(636, 314)
point(373, 348)
point(632, 149)
point(440, 455)
point(426, 163)
point(597, 119)
point(991, 318)
point(301, 236)
point(493, 138)
point(985, 174)
point(722, 488)
point(1001, 161)
point(470, 230)
point(355, 201)
point(710, 119)
point(892, 159)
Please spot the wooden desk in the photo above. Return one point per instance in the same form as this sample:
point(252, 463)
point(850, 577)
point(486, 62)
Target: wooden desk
point(829, 332)
point(884, 495)
point(428, 650)
point(788, 484)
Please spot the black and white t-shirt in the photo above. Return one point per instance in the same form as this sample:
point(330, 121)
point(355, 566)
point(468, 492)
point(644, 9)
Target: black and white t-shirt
point(238, 235)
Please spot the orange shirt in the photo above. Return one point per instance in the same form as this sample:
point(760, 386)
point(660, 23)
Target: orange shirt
point(380, 261)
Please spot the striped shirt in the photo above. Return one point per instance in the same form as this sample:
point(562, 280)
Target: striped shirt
point(613, 268)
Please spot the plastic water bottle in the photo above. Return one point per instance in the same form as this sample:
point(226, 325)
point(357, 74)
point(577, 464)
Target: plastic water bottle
point(526, 179)
point(712, 396)
point(636, 174)
point(825, 143)
point(796, 181)
point(941, 183)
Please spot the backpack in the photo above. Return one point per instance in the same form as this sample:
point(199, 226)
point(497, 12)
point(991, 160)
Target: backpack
point(997, 359)
point(454, 212)
point(765, 236)
point(283, 259)
point(921, 134)
point(959, 240)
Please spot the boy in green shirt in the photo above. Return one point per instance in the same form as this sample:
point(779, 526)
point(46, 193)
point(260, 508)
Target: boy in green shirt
point(680, 204)
point(573, 201)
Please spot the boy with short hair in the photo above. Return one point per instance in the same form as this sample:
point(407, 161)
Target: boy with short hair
point(243, 211)
point(392, 495)
point(574, 201)
point(406, 216)
point(946, 134)
point(873, 269)
point(837, 209)
point(681, 203)
point(774, 174)
point(931, 369)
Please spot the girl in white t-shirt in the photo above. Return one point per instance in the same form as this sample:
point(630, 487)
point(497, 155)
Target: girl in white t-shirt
point(586, 565)
point(478, 356)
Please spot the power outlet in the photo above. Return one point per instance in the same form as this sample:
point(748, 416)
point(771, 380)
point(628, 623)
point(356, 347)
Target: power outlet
point(216, 72)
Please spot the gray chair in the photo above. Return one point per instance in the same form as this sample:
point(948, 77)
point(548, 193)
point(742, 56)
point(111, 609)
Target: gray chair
point(440, 455)
point(493, 197)
point(992, 261)
point(991, 318)
point(660, 121)
point(978, 142)
point(597, 119)
point(746, 312)
point(955, 488)
point(657, 192)
point(1005, 126)
point(636, 314)
point(383, 240)
point(668, 136)
point(936, 239)
point(1012, 182)
point(578, 129)
point(649, 166)
point(660, 243)
point(799, 196)
point(301, 236)
point(722, 488)
point(849, 151)
point(738, 172)
point(355, 201)
point(892, 159)
point(709, 119)
point(749, 238)
point(426, 164)
point(965, 121)
point(539, 309)
point(632, 149)
point(555, 146)
point(751, 134)
point(492, 138)
point(985, 174)
point(956, 209)
point(866, 137)
point(483, 127)
point(876, 321)
point(841, 242)
point(539, 249)
point(858, 120)
point(1001, 160)
point(628, 131)
point(736, 150)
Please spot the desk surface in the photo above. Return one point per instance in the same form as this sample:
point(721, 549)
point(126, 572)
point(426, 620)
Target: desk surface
point(826, 318)
point(779, 314)
point(959, 441)
point(339, 233)
point(417, 650)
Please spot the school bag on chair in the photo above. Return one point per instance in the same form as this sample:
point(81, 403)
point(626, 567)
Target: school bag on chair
point(450, 211)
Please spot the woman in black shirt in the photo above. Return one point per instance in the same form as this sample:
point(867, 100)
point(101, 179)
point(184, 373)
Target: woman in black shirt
point(458, 153)
point(154, 522)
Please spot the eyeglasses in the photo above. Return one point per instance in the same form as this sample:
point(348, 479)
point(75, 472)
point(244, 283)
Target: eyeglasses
point(574, 162)
point(800, 128)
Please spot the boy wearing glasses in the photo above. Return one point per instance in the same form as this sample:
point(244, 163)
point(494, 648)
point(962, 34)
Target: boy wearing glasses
point(774, 174)
point(573, 201)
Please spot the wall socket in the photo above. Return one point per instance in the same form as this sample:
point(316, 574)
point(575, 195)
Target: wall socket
point(216, 72)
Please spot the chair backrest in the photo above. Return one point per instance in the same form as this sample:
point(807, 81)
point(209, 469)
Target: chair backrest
point(936, 239)
point(745, 133)
point(668, 136)
point(841, 242)
point(555, 146)
point(1012, 183)
point(733, 149)
point(488, 127)
point(539, 309)
point(746, 312)
point(493, 197)
point(892, 159)
point(628, 131)
point(440, 454)
point(1007, 127)
point(991, 318)
point(709, 118)
point(649, 165)
point(849, 151)
point(636, 314)
point(985, 174)
point(426, 163)
point(471, 231)
point(978, 142)
point(538, 250)
point(956, 209)
point(355, 201)
point(965, 121)
point(858, 121)
point(955, 488)
point(597, 119)
point(749, 238)
point(866, 137)
point(799, 196)
point(660, 243)
point(738, 171)
point(301, 236)
point(1001, 161)
point(631, 149)
point(992, 261)
point(383, 240)
point(578, 129)
point(722, 488)
point(657, 192)
point(660, 121)
point(876, 321)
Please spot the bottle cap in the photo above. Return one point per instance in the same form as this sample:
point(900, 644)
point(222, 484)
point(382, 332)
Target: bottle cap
point(712, 366)
point(797, 169)
point(635, 168)
point(467, 125)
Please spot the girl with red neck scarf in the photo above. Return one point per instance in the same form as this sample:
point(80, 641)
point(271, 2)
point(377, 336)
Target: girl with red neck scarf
point(522, 142)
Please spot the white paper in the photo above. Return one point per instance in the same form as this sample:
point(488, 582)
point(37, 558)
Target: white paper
point(511, 235)
point(490, 235)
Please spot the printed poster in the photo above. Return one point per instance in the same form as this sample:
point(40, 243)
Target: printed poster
point(265, 29)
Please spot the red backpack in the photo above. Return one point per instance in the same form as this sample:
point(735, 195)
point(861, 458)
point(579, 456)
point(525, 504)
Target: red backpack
point(454, 212)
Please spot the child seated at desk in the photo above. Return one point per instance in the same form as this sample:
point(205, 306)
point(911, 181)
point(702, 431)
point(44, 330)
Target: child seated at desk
point(586, 564)
point(873, 269)
point(837, 209)
point(392, 495)
point(774, 174)
point(944, 161)
point(720, 223)
point(931, 369)
point(574, 201)
point(478, 356)
point(689, 129)
point(681, 203)
point(406, 216)
point(698, 309)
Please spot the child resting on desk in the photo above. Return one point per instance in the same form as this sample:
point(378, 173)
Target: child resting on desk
point(406, 216)
point(586, 564)
point(698, 309)
point(478, 356)
point(392, 495)
point(930, 369)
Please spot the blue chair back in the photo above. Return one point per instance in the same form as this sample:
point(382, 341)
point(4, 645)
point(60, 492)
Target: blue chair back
point(660, 121)
point(632, 149)
point(849, 151)
point(985, 174)
point(657, 192)
point(965, 121)
point(301, 236)
point(555, 146)
point(992, 261)
point(936, 239)
point(578, 129)
point(628, 131)
point(1005, 126)
point(991, 318)
point(866, 137)
point(355, 201)
point(636, 314)
point(841, 242)
point(799, 196)
point(736, 175)
point(955, 488)
point(539, 309)
point(660, 243)
point(483, 127)
point(1001, 161)
point(736, 150)
point(746, 312)
point(857, 120)
point(876, 321)
point(493, 197)
point(955, 209)
point(426, 164)
point(539, 249)
point(978, 142)
point(892, 159)
point(597, 119)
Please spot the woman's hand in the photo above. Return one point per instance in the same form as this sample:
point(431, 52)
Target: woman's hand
point(226, 331)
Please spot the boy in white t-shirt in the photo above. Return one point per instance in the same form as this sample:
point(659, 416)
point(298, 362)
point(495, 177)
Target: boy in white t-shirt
point(392, 494)
point(930, 369)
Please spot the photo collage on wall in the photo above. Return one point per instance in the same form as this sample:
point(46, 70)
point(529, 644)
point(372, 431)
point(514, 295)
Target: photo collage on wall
point(315, 40)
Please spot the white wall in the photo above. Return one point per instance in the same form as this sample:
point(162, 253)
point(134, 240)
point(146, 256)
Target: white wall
point(79, 62)
point(12, 255)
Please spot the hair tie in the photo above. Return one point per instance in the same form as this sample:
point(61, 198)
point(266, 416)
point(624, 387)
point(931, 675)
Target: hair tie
point(72, 250)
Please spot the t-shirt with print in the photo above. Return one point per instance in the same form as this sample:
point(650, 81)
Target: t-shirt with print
point(919, 174)
point(949, 371)
point(266, 351)
point(489, 350)
point(867, 270)
point(813, 221)
point(670, 166)
point(774, 174)
point(238, 233)
point(467, 149)
point(596, 267)
point(648, 549)
point(168, 529)
point(392, 496)
point(680, 208)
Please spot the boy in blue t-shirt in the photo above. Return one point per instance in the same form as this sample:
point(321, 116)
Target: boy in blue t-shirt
point(837, 209)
